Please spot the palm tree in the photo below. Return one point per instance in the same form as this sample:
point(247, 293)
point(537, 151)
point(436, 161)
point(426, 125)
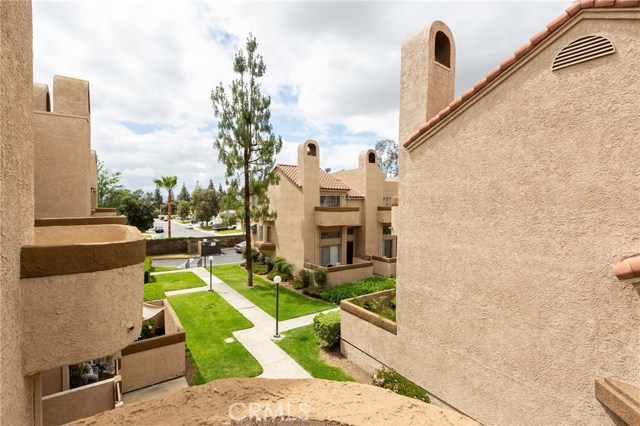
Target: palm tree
point(168, 183)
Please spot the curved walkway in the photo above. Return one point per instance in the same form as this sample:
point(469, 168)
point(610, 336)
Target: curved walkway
point(276, 363)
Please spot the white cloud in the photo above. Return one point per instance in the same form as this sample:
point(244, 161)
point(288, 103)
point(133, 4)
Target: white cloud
point(332, 70)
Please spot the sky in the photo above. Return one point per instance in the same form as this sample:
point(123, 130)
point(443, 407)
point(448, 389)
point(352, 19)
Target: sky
point(332, 70)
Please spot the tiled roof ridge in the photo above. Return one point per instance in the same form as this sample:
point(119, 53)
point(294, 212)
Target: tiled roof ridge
point(534, 41)
point(293, 175)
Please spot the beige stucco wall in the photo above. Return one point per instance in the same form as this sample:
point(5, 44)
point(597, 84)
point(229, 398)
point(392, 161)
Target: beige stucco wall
point(335, 278)
point(93, 180)
point(153, 366)
point(62, 165)
point(78, 403)
point(387, 269)
point(16, 201)
point(528, 197)
point(286, 199)
point(337, 217)
point(72, 318)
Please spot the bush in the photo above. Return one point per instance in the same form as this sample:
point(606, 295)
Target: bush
point(260, 258)
point(320, 277)
point(254, 254)
point(298, 284)
point(358, 288)
point(268, 262)
point(305, 276)
point(259, 269)
point(389, 379)
point(327, 328)
point(147, 269)
point(271, 275)
point(313, 291)
point(286, 269)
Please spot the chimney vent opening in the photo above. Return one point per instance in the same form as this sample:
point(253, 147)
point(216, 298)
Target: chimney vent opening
point(443, 49)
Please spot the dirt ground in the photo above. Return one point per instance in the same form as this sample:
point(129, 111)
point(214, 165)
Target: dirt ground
point(269, 401)
point(335, 358)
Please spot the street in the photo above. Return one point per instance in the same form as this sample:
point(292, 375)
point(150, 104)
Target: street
point(178, 230)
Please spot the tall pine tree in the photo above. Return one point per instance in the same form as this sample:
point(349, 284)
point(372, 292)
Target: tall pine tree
point(246, 143)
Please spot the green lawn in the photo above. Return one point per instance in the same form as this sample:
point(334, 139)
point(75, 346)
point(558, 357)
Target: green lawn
point(178, 281)
point(153, 291)
point(263, 294)
point(208, 320)
point(229, 231)
point(302, 345)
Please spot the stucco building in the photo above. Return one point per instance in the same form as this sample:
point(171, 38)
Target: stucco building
point(339, 221)
point(516, 296)
point(71, 274)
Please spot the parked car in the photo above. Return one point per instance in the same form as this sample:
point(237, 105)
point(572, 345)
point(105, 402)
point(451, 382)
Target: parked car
point(161, 217)
point(188, 226)
point(158, 229)
point(238, 247)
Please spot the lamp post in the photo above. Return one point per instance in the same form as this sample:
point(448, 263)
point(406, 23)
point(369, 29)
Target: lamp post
point(277, 279)
point(210, 273)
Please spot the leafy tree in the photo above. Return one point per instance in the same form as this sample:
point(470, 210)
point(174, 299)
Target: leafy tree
point(168, 183)
point(157, 196)
point(184, 194)
point(246, 143)
point(387, 153)
point(184, 208)
point(205, 204)
point(108, 184)
point(211, 184)
point(139, 209)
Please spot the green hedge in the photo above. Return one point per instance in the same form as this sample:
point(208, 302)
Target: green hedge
point(327, 328)
point(389, 379)
point(358, 288)
point(147, 269)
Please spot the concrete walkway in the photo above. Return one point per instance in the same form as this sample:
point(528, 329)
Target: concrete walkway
point(276, 363)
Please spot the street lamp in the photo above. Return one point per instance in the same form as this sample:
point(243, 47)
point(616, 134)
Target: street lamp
point(210, 273)
point(277, 279)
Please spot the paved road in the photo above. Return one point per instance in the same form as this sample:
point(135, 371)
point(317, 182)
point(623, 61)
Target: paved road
point(227, 256)
point(178, 230)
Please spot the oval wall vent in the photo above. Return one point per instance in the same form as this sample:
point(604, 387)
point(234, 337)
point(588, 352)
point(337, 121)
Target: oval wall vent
point(582, 50)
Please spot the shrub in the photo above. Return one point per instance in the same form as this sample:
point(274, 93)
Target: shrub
point(327, 328)
point(260, 258)
point(259, 269)
point(358, 288)
point(286, 269)
point(305, 276)
point(389, 379)
point(271, 275)
point(254, 254)
point(320, 277)
point(268, 262)
point(148, 329)
point(298, 284)
point(147, 269)
point(312, 291)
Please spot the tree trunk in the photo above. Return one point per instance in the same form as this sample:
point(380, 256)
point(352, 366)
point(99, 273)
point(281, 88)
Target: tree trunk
point(247, 222)
point(169, 214)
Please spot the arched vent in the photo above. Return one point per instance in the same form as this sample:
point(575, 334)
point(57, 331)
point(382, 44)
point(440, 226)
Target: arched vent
point(582, 50)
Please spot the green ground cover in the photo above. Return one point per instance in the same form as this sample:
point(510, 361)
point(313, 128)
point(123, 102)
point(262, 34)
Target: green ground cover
point(153, 291)
point(358, 288)
point(178, 281)
point(263, 294)
point(303, 346)
point(208, 321)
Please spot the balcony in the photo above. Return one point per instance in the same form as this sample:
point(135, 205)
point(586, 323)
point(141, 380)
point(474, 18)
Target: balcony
point(82, 293)
point(338, 216)
point(384, 214)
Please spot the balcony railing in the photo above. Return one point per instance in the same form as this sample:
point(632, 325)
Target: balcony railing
point(337, 216)
point(82, 293)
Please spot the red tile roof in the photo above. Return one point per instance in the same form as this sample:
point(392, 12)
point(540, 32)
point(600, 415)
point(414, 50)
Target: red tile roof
point(628, 268)
point(519, 53)
point(326, 180)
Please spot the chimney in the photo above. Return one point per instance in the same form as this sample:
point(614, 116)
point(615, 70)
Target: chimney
point(427, 76)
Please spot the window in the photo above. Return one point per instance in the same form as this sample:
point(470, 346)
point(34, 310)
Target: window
point(386, 201)
point(268, 234)
point(443, 49)
point(329, 255)
point(254, 201)
point(351, 231)
point(329, 201)
point(387, 248)
point(260, 232)
point(386, 230)
point(329, 235)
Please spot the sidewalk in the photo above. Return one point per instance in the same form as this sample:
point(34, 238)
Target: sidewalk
point(276, 363)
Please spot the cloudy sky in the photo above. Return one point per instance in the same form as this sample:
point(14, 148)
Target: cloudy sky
point(332, 70)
